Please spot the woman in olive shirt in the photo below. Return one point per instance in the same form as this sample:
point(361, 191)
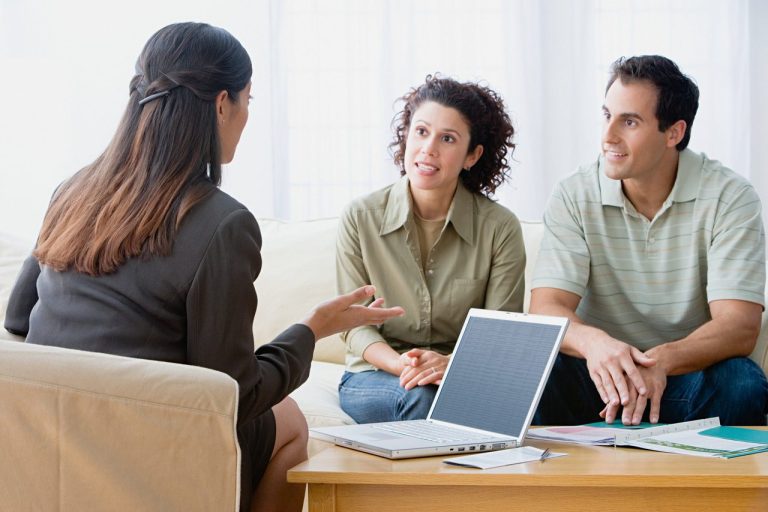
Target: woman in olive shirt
point(433, 243)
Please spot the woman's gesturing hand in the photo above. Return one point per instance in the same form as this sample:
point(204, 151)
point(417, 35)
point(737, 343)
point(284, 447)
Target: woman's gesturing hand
point(344, 313)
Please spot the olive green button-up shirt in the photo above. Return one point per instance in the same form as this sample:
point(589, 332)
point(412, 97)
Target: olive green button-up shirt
point(477, 261)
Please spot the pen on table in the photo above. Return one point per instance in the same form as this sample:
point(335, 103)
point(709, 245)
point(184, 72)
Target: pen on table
point(544, 455)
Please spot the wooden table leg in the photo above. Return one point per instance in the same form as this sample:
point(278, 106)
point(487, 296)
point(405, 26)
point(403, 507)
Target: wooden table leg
point(322, 498)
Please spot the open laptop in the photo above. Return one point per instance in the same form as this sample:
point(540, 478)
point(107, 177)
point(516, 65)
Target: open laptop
point(488, 396)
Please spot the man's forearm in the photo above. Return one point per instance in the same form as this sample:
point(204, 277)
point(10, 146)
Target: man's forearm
point(732, 332)
point(578, 334)
point(576, 337)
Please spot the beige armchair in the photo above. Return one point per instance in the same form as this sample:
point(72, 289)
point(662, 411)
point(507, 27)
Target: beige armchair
point(85, 431)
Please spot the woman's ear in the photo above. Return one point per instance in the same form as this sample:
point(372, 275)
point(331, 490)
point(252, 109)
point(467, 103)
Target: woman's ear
point(222, 106)
point(473, 156)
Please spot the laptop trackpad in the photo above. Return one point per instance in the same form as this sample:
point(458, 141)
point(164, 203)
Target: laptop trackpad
point(373, 435)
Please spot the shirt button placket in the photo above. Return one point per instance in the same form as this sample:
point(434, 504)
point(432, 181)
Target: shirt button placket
point(650, 245)
point(425, 310)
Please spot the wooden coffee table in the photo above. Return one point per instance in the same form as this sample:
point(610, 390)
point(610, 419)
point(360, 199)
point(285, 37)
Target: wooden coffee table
point(588, 478)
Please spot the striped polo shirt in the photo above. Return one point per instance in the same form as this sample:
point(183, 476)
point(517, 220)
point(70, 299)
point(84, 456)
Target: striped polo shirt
point(648, 282)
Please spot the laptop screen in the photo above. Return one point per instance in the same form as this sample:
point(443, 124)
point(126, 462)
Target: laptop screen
point(495, 373)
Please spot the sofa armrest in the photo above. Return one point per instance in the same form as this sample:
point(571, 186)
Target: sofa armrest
point(85, 431)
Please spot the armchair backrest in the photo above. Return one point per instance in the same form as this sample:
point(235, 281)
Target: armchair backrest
point(87, 431)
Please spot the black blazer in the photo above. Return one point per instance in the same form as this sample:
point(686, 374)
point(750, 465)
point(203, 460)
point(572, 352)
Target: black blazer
point(195, 306)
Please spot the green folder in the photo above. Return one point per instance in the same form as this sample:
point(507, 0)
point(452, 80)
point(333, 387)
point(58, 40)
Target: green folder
point(619, 424)
point(748, 435)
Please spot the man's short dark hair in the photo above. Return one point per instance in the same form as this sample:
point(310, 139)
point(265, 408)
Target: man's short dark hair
point(678, 95)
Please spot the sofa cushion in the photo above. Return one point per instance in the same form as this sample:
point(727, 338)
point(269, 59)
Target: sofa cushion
point(298, 272)
point(532, 235)
point(318, 398)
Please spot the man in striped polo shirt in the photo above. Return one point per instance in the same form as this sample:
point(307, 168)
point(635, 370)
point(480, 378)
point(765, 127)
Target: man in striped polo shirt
point(657, 255)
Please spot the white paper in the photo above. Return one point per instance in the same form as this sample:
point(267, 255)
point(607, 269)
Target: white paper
point(500, 458)
point(580, 434)
point(620, 435)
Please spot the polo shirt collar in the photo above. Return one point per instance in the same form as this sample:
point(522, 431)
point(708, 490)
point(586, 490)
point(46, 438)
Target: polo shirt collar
point(686, 185)
point(400, 207)
point(688, 178)
point(610, 190)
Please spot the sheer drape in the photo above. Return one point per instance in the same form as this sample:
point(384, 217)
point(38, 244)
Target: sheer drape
point(327, 74)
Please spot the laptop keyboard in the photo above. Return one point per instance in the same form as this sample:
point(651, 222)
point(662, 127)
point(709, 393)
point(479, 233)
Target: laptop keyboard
point(432, 432)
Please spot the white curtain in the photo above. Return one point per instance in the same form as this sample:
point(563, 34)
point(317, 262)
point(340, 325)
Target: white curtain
point(327, 74)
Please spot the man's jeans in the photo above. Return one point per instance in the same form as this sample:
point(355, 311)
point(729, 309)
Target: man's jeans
point(735, 390)
point(376, 395)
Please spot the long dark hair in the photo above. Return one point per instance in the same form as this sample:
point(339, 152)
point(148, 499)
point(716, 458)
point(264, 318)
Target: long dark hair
point(164, 158)
point(489, 126)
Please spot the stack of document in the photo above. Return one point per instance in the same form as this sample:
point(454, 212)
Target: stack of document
point(598, 434)
point(704, 438)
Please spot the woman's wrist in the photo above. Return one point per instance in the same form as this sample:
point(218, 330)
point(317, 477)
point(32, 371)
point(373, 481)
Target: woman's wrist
point(383, 357)
point(395, 365)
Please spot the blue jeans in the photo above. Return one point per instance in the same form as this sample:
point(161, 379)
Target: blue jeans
point(376, 395)
point(736, 390)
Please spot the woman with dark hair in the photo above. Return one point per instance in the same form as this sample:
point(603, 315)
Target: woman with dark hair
point(141, 254)
point(434, 243)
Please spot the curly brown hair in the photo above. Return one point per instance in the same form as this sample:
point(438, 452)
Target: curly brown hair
point(489, 126)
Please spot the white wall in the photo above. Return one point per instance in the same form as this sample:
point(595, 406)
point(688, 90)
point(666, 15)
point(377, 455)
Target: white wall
point(326, 74)
point(65, 73)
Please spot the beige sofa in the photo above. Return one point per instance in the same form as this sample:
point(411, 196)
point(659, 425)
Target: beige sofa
point(83, 431)
point(299, 271)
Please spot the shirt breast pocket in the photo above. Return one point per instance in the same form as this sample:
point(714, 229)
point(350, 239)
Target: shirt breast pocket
point(465, 294)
